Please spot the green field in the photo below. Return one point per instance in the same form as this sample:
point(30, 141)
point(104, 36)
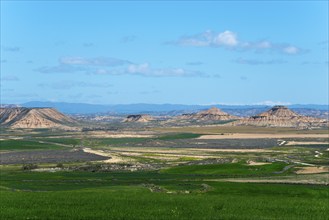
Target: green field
point(229, 169)
point(182, 182)
point(26, 145)
point(125, 195)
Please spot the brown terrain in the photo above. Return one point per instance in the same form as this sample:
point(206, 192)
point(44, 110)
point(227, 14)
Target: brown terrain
point(281, 116)
point(34, 118)
point(138, 118)
point(212, 114)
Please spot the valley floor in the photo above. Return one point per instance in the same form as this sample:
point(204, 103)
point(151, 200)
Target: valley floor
point(178, 173)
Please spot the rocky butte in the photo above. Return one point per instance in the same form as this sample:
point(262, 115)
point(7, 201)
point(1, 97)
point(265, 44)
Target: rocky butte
point(138, 118)
point(34, 118)
point(281, 116)
point(212, 114)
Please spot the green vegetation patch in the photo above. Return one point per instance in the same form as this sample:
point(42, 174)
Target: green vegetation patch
point(223, 201)
point(179, 136)
point(26, 145)
point(229, 169)
point(67, 141)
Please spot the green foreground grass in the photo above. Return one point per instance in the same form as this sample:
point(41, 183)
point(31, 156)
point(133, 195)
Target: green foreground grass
point(127, 195)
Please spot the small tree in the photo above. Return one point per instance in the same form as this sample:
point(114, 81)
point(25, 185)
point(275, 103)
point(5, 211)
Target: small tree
point(29, 166)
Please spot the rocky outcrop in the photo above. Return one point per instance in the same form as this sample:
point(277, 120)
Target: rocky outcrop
point(138, 118)
point(281, 116)
point(34, 118)
point(212, 114)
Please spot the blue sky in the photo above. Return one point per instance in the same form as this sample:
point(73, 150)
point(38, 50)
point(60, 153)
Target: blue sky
point(239, 52)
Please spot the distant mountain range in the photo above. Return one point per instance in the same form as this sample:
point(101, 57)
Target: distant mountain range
point(158, 109)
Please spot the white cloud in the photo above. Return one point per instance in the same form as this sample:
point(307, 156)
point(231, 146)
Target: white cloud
point(264, 44)
point(145, 69)
point(139, 68)
point(227, 38)
point(113, 66)
point(290, 50)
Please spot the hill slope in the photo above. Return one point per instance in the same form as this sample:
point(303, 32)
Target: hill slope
point(281, 116)
point(34, 118)
point(212, 114)
point(138, 118)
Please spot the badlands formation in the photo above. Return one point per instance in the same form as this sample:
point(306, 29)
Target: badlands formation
point(212, 114)
point(34, 118)
point(281, 116)
point(138, 118)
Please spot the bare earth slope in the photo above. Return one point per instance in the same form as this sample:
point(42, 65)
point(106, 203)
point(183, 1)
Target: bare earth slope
point(34, 118)
point(281, 116)
point(138, 118)
point(212, 114)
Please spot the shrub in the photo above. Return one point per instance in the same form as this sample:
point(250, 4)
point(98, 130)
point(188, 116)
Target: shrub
point(29, 166)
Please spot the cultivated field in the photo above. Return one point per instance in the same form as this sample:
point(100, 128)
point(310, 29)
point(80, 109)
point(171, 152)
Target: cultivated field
point(212, 172)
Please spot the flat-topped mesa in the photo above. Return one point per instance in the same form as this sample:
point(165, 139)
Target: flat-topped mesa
point(212, 114)
point(282, 116)
point(138, 118)
point(279, 111)
point(34, 118)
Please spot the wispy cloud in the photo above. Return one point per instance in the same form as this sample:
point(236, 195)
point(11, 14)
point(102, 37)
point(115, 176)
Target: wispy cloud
point(129, 38)
point(229, 40)
point(9, 78)
point(99, 61)
point(314, 63)
point(80, 64)
point(88, 44)
point(62, 68)
point(71, 84)
point(155, 91)
point(11, 49)
point(258, 62)
point(113, 66)
point(194, 63)
point(145, 69)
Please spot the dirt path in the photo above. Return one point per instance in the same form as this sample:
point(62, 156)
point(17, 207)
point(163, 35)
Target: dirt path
point(113, 158)
point(311, 170)
point(305, 143)
point(260, 136)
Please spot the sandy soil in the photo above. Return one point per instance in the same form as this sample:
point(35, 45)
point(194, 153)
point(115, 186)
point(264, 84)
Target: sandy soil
point(310, 170)
point(113, 159)
point(186, 151)
point(253, 163)
point(305, 143)
point(260, 136)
